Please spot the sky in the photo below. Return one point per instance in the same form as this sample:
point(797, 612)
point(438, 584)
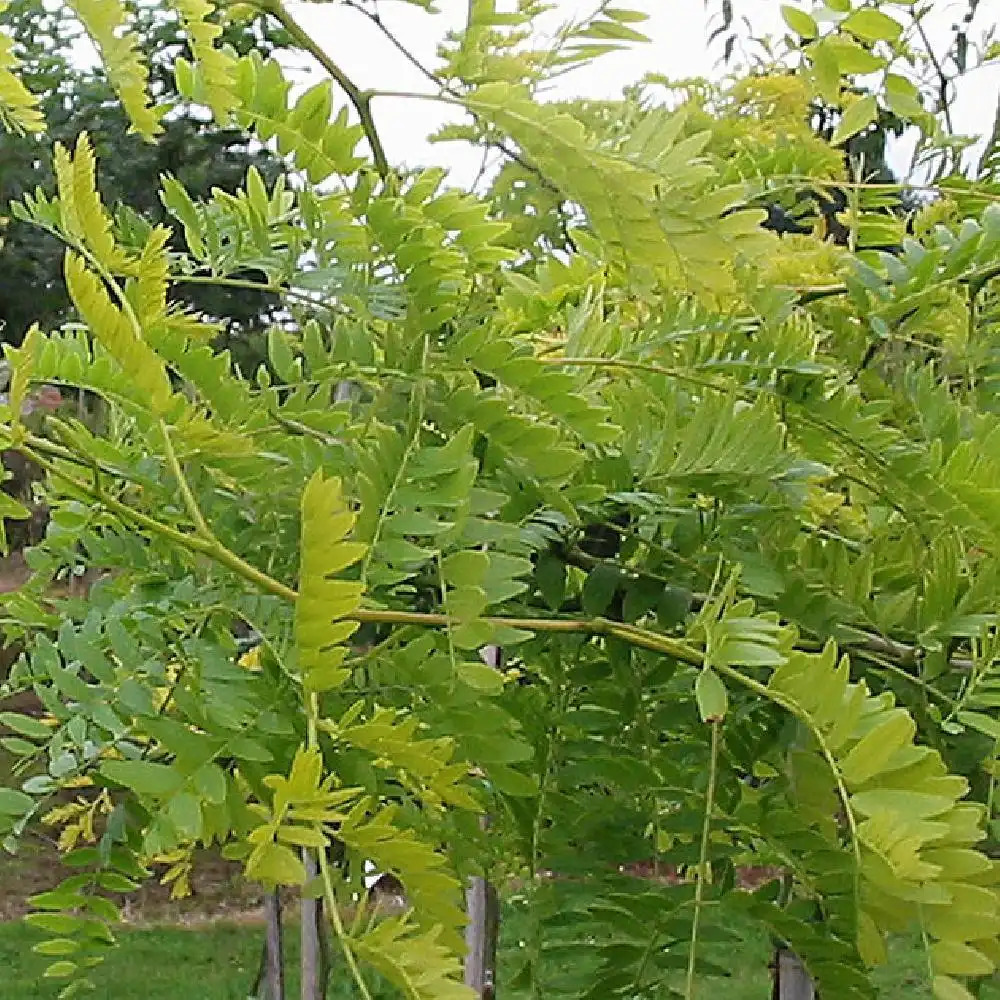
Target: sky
point(677, 28)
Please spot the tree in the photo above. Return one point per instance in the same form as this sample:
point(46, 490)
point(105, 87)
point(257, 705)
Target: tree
point(78, 97)
point(725, 502)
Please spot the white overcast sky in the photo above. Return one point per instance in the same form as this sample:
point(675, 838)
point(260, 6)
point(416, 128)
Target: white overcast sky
point(678, 49)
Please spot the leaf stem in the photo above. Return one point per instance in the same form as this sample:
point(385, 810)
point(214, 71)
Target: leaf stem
point(794, 708)
point(699, 889)
point(187, 496)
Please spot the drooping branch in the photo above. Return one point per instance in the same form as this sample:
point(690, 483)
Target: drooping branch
point(898, 654)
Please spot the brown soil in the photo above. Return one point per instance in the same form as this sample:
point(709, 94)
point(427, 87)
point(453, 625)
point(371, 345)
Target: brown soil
point(219, 891)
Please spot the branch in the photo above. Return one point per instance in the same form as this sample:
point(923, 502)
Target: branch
point(874, 646)
point(361, 99)
point(269, 288)
point(376, 19)
point(194, 511)
point(976, 281)
point(943, 80)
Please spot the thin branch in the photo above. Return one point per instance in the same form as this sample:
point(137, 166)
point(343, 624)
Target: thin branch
point(193, 543)
point(791, 706)
point(211, 547)
point(376, 19)
point(361, 99)
point(254, 286)
point(975, 281)
point(190, 503)
point(456, 95)
point(943, 81)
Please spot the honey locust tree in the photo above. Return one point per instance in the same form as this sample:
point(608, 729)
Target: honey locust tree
point(724, 501)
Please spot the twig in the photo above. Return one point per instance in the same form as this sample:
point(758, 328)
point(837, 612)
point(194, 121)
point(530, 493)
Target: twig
point(312, 960)
point(361, 99)
point(943, 80)
point(376, 19)
point(268, 288)
point(194, 511)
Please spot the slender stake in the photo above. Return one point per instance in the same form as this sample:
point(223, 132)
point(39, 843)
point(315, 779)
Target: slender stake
point(482, 905)
point(791, 981)
point(274, 973)
point(483, 911)
point(312, 979)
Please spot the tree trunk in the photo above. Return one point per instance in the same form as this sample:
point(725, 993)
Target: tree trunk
point(313, 964)
point(791, 981)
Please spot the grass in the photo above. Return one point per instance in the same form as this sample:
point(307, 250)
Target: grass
point(214, 961)
point(218, 961)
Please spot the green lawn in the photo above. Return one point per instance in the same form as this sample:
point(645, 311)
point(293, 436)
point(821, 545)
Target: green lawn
point(218, 962)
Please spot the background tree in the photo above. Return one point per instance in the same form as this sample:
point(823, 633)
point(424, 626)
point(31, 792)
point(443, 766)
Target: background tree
point(76, 96)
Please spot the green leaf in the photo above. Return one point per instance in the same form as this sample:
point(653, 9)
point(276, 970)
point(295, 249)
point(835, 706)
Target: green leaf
point(184, 811)
point(956, 958)
point(17, 746)
point(673, 607)
point(599, 589)
point(856, 117)
point(902, 96)
point(946, 988)
point(302, 836)
point(465, 569)
point(481, 677)
point(326, 677)
point(507, 781)
point(275, 864)
point(14, 803)
point(550, 579)
point(871, 753)
point(281, 356)
point(710, 693)
point(60, 970)
point(54, 923)
point(211, 783)
point(25, 725)
point(641, 597)
point(871, 942)
point(322, 600)
point(116, 882)
point(871, 25)
point(981, 722)
point(852, 57)
point(143, 777)
point(803, 24)
point(905, 802)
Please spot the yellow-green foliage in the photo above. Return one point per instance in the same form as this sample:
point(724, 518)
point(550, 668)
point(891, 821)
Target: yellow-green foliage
point(18, 106)
point(106, 22)
point(216, 68)
point(651, 201)
point(472, 499)
point(914, 838)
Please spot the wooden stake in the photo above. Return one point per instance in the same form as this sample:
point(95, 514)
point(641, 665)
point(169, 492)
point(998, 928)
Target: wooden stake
point(791, 980)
